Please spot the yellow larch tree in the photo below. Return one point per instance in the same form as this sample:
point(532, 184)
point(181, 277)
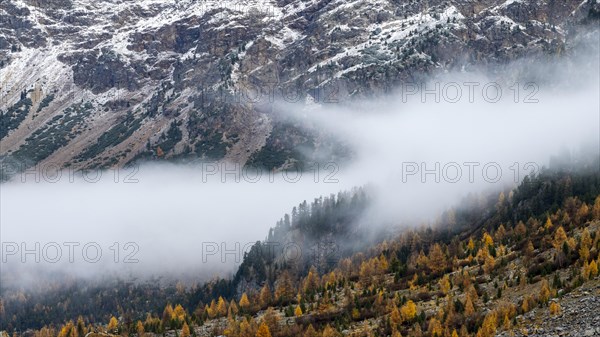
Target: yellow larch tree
point(445, 284)
point(233, 309)
point(548, 225)
point(178, 313)
point(544, 295)
point(469, 307)
point(221, 307)
point(265, 296)
point(488, 328)
point(487, 240)
point(408, 310)
point(560, 237)
point(263, 330)
point(596, 209)
point(185, 330)
point(310, 332)
point(139, 329)
point(112, 324)
point(330, 332)
point(395, 317)
point(437, 259)
point(554, 308)
point(244, 302)
point(435, 327)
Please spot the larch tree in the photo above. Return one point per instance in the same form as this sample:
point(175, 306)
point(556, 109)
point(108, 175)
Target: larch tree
point(488, 328)
point(112, 324)
point(408, 310)
point(548, 225)
point(263, 330)
point(488, 264)
point(437, 259)
point(395, 317)
point(544, 295)
point(445, 284)
point(139, 329)
point(310, 332)
point(582, 214)
point(521, 230)
point(212, 310)
point(244, 302)
point(311, 281)
point(596, 209)
point(185, 330)
point(233, 309)
point(285, 287)
point(469, 307)
point(487, 240)
point(330, 332)
point(221, 307)
point(246, 328)
point(554, 308)
point(178, 313)
point(560, 237)
point(435, 327)
point(265, 296)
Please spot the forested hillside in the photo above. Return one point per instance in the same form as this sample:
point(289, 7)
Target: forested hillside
point(478, 270)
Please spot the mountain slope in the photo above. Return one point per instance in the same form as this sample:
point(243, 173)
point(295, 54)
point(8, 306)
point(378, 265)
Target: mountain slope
point(99, 84)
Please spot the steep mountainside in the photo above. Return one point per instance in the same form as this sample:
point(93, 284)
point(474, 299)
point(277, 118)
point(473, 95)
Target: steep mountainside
point(101, 83)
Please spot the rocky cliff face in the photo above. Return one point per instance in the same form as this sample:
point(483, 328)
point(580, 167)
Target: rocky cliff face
point(102, 83)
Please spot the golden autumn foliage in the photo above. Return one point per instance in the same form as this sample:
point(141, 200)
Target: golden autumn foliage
point(244, 302)
point(265, 296)
point(487, 240)
point(520, 229)
point(596, 209)
point(185, 330)
point(544, 295)
point(395, 316)
point(285, 287)
point(310, 332)
point(435, 327)
point(330, 332)
point(437, 259)
point(112, 324)
point(233, 309)
point(489, 263)
point(506, 324)
point(469, 307)
point(445, 284)
point(471, 244)
point(263, 330)
point(298, 311)
point(221, 307)
point(560, 237)
point(589, 270)
point(488, 328)
point(178, 313)
point(554, 308)
point(548, 225)
point(311, 281)
point(408, 310)
point(139, 329)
